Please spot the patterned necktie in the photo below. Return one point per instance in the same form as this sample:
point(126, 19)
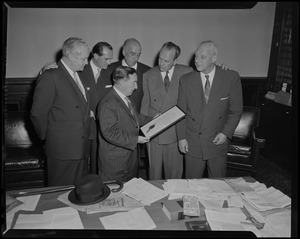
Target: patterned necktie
point(167, 81)
point(97, 75)
point(132, 110)
point(207, 88)
point(79, 84)
point(130, 106)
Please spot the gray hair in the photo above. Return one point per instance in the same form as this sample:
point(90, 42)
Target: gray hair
point(71, 45)
point(210, 45)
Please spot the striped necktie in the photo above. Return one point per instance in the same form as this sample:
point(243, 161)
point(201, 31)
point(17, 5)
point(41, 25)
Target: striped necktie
point(207, 88)
point(129, 104)
point(132, 110)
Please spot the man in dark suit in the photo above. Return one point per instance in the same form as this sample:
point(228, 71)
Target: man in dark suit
point(164, 154)
point(212, 100)
point(131, 51)
point(119, 124)
point(61, 115)
point(96, 79)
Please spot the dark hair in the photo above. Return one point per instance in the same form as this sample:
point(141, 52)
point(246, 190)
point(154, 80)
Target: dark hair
point(170, 45)
point(98, 48)
point(122, 72)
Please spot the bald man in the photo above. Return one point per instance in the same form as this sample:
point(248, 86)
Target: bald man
point(131, 51)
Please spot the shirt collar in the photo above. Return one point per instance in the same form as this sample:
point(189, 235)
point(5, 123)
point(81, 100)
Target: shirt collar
point(68, 68)
point(94, 67)
point(211, 75)
point(123, 97)
point(163, 74)
point(125, 64)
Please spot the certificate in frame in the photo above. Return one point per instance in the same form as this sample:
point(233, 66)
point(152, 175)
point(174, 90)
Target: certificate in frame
point(162, 122)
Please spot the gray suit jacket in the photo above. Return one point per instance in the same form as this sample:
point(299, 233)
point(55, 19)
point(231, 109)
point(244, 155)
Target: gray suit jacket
point(204, 121)
point(157, 100)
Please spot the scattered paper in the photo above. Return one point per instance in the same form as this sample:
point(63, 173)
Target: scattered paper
point(60, 218)
point(143, 191)
point(30, 202)
point(136, 219)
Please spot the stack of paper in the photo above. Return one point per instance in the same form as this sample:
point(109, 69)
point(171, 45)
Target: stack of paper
point(142, 191)
point(267, 199)
point(199, 187)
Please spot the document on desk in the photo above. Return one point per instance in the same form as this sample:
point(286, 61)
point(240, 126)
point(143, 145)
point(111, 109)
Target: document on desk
point(60, 218)
point(136, 219)
point(227, 219)
point(30, 202)
point(143, 191)
point(162, 122)
point(267, 199)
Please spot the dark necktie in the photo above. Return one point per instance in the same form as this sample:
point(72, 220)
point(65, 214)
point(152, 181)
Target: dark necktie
point(167, 81)
point(207, 88)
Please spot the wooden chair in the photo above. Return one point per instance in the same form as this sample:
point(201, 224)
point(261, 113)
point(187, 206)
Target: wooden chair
point(244, 149)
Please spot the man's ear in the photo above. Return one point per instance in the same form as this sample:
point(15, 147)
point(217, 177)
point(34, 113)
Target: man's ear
point(95, 55)
point(175, 61)
point(123, 51)
point(214, 58)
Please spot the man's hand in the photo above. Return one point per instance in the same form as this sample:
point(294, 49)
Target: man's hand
point(142, 139)
point(219, 139)
point(183, 146)
point(49, 65)
point(224, 67)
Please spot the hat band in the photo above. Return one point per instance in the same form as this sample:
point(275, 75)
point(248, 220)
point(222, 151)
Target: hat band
point(88, 197)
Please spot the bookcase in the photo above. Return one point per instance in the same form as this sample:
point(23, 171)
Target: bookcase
point(280, 66)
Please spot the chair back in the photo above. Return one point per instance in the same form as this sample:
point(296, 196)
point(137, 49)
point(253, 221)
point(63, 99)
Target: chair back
point(249, 120)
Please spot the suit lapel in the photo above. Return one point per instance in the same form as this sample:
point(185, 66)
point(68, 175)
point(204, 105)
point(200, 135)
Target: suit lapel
point(71, 80)
point(124, 106)
point(159, 83)
point(216, 88)
point(77, 90)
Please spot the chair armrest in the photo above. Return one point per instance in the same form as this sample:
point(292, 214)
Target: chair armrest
point(258, 137)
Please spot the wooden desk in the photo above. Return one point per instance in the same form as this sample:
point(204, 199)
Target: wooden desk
point(93, 225)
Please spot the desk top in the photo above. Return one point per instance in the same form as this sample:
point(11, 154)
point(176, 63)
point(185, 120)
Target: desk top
point(93, 225)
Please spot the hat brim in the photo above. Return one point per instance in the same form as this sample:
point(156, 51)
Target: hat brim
point(73, 199)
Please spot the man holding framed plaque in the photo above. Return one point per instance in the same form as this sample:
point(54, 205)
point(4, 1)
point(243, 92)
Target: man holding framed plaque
point(160, 87)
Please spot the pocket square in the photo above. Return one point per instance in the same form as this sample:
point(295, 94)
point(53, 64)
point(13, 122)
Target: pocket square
point(225, 98)
point(108, 86)
point(88, 88)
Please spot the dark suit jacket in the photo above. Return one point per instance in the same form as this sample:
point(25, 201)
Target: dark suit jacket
point(95, 91)
point(61, 115)
point(137, 95)
point(204, 121)
point(118, 137)
point(157, 100)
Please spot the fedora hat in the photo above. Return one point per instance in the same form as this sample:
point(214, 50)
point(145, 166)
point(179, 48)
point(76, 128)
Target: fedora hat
point(89, 189)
